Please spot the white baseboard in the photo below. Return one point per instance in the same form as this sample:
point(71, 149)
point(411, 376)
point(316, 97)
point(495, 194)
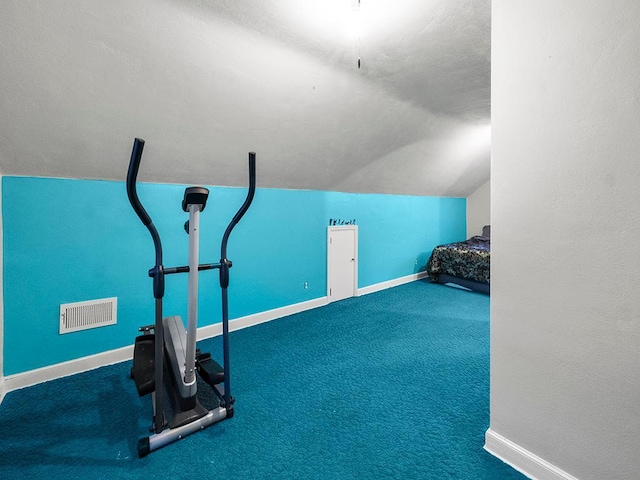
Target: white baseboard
point(392, 283)
point(59, 370)
point(33, 377)
point(64, 369)
point(261, 317)
point(522, 460)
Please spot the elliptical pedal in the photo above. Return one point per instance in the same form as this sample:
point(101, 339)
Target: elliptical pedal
point(210, 371)
point(143, 370)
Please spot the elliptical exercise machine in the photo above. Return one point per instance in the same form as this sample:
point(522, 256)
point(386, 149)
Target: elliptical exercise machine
point(165, 359)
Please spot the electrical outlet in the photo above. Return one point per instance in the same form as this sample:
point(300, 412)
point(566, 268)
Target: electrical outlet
point(306, 285)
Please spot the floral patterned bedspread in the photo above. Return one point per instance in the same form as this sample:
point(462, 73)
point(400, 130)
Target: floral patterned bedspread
point(469, 259)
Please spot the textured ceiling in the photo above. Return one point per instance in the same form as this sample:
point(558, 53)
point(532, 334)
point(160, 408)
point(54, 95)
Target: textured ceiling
point(204, 82)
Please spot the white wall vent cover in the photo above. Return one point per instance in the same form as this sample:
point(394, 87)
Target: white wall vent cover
point(90, 314)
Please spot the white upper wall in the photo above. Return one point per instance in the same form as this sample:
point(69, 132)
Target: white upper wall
point(205, 82)
point(479, 210)
point(565, 308)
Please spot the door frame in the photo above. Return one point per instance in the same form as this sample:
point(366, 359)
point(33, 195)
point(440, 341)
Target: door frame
point(330, 230)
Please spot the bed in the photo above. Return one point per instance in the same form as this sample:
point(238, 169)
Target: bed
point(466, 264)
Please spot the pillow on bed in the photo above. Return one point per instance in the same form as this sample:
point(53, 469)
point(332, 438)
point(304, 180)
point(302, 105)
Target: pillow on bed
point(486, 231)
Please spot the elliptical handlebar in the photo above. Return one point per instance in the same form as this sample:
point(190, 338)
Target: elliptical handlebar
point(132, 177)
point(243, 209)
point(132, 193)
point(225, 264)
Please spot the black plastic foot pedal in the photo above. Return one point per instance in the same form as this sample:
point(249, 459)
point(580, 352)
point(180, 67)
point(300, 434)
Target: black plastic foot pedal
point(210, 371)
point(143, 371)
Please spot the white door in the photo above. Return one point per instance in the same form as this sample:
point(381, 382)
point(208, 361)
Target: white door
point(342, 265)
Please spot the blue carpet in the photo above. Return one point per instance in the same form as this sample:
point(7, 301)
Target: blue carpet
point(389, 385)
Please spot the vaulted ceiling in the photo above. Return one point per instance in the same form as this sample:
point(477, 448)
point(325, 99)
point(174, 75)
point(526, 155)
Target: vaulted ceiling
point(206, 81)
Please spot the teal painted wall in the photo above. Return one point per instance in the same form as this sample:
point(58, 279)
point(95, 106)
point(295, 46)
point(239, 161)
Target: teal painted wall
point(74, 240)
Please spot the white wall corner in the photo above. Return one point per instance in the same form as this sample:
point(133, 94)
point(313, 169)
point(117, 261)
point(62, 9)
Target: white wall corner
point(522, 460)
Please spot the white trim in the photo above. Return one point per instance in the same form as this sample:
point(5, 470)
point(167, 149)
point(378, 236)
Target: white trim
point(64, 369)
point(261, 317)
point(522, 460)
point(392, 283)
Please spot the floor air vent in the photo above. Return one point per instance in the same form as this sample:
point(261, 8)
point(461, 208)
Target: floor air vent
point(90, 314)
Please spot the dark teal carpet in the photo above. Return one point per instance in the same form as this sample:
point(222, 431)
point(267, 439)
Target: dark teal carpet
point(389, 385)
